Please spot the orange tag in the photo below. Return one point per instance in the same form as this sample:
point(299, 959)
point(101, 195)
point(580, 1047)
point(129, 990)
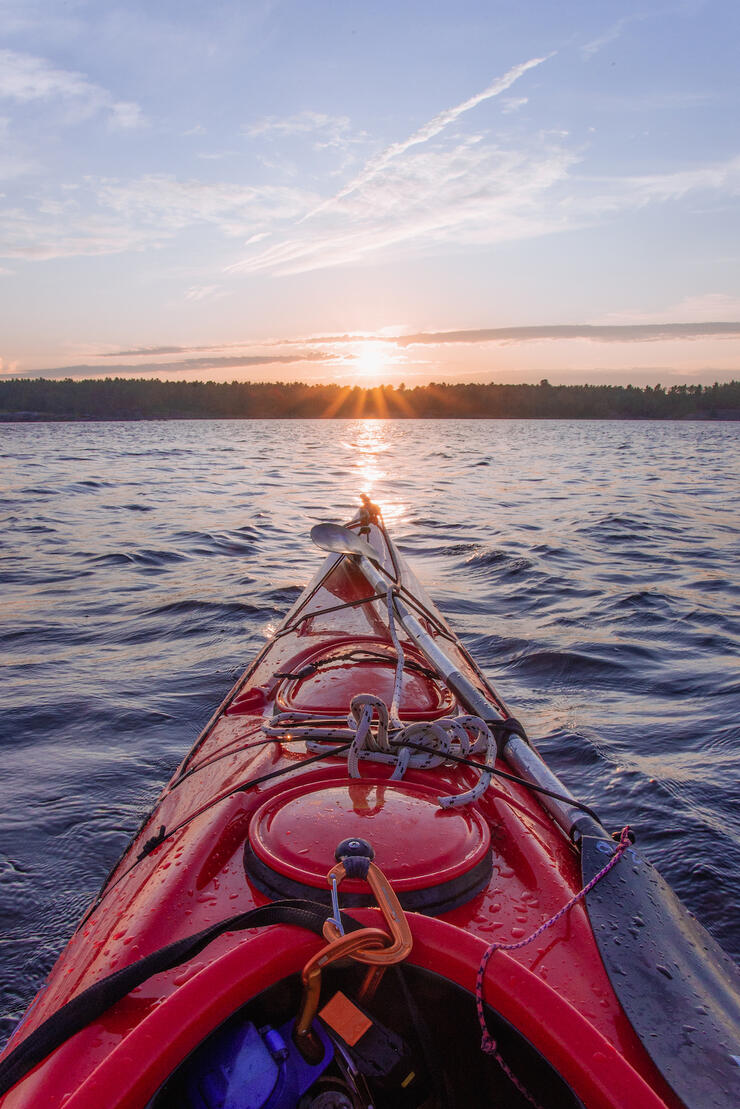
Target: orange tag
point(345, 1019)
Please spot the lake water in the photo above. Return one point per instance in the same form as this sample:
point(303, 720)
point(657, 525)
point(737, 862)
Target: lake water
point(590, 567)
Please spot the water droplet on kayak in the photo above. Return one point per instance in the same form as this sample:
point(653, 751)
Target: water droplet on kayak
point(663, 970)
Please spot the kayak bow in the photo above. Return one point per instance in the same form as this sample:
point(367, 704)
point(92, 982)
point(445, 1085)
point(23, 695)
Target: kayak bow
point(364, 887)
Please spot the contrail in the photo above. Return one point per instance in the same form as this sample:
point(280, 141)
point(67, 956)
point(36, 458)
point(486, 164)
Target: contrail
point(428, 131)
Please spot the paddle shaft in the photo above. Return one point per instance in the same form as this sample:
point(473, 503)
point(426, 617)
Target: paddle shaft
point(518, 754)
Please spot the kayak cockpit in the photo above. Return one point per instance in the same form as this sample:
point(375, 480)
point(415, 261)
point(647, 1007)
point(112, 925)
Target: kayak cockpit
point(418, 1044)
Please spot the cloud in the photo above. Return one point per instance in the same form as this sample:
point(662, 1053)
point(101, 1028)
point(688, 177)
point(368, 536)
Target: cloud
point(126, 115)
point(135, 352)
point(330, 129)
point(172, 204)
point(471, 194)
point(611, 34)
point(719, 177)
point(188, 365)
point(25, 78)
point(603, 333)
point(514, 103)
point(429, 131)
point(204, 292)
point(108, 216)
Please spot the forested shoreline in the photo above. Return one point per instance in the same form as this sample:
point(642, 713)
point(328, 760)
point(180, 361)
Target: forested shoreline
point(28, 399)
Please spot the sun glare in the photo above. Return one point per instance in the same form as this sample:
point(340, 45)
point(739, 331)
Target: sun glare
point(372, 359)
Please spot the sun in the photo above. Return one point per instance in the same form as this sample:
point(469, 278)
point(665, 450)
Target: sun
point(371, 360)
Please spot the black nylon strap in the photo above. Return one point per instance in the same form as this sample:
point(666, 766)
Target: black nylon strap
point(93, 1002)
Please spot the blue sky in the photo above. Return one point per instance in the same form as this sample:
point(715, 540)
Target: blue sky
point(370, 191)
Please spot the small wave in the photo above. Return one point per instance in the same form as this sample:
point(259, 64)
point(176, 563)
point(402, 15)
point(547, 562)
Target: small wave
point(137, 720)
point(431, 522)
point(238, 542)
point(208, 608)
point(146, 558)
point(570, 666)
point(483, 558)
point(644, 599)
point(460, 548)
point(47, 634)
point(284, 595)
point(88, 484)
point(25, 576)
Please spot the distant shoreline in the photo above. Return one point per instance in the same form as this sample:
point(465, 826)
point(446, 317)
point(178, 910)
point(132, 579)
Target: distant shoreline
point(40, 418)
point(38, 400)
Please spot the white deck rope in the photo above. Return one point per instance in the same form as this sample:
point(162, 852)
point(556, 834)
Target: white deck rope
point(385, 744)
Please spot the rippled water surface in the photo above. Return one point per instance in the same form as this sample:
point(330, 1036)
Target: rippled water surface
point(591, 568)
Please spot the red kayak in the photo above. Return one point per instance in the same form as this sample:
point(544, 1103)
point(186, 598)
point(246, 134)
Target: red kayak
point(363, 887)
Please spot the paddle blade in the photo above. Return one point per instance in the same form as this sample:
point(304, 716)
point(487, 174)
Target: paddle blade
point(339, 540)
point(679, 989)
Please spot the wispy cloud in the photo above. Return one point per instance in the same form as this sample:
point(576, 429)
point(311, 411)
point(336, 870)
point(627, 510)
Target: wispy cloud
point(513, 104)
point(109, 216)
point(611, 34)
point(472, 193)
point(718, 177)
point(429, 131)
point(331, 129)
point(603, 333)
point(25, 78)
point(344, 346)
point(175, 204)
point(188, 365)
point(205, 292)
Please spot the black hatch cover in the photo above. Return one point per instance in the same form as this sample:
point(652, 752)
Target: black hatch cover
point(679, 989)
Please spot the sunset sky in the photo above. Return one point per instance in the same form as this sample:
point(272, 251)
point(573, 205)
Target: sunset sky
point(500, 190)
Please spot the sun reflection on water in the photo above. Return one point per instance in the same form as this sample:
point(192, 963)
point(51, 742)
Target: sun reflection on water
point(368, 441)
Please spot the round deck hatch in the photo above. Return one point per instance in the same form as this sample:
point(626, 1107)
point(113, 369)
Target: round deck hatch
point(340, 674)
point(435, 859)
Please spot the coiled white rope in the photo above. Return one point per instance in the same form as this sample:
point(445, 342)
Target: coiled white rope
point(448, 735)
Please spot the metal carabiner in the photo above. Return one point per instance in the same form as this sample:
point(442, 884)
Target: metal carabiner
point(393, 914)
point(351, 944)
point(372, 946)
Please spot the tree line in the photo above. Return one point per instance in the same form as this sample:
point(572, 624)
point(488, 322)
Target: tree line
point(153, 399)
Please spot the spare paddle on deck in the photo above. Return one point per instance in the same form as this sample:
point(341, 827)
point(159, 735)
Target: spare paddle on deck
point(339, 540)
